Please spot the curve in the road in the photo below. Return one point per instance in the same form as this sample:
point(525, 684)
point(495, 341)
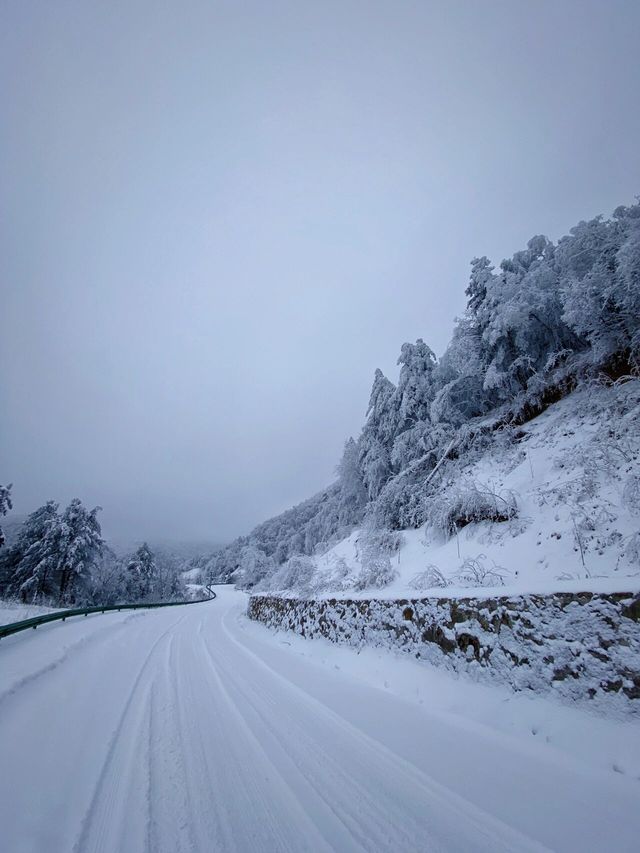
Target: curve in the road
point(63, 615)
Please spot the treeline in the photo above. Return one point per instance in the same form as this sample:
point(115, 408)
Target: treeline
point(59, 558)
point(550, 317)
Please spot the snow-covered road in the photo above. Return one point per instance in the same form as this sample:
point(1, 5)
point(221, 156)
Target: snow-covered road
point(191, 729)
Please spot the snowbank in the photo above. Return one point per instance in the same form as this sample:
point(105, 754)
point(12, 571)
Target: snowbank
point(16, 611)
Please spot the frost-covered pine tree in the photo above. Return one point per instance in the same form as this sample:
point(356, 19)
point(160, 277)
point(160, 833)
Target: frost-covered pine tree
point(29, 566)
point(415, 389)
point(599, 265)
point(479, 284)
point(5, 506)
point(80, 546)
point(414, 395)
point(140, 574)
point(353, 493)
point(377, 436)
point(459, 377)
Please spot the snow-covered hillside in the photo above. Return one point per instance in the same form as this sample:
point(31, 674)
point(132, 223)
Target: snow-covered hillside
point(510, 461)
point(573, 477)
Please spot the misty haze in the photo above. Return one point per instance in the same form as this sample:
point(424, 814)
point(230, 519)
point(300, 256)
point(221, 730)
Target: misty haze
point(320, 446)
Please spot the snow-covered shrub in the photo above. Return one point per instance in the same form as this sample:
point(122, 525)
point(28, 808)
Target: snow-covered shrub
point(375, 549)
point(296, 575)
point(254, 565)
point(632, 551)
point(475, 573)
point(335, 578)
point(401, 504)
point(374, 542)
point(376, 573)
point(631, 494)
point(467, 503)
point(431, 578)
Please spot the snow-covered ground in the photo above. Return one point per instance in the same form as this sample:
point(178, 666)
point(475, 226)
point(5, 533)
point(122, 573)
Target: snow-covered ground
point(195, 729)
point(16, 611)
point(575, 477)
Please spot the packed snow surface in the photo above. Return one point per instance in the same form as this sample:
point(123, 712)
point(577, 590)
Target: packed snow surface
point(194, 729)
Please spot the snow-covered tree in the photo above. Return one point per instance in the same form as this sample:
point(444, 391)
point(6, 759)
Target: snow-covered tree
point(29, 566)
point(415, 386)
point(169, 583)
point(353, 492)
point(140, 574)
point(459, 375)
point(254, 566)
point(80, 544)
point(376, 548)
point(5, 506)
point(376, 440)
point(520, 319)
point(599, 264)
point(479, 283)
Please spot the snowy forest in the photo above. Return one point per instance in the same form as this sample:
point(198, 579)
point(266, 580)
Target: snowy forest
point(60, 558)
point(550, 320)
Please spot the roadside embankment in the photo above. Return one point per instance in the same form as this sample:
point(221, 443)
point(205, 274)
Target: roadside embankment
point(581, 646)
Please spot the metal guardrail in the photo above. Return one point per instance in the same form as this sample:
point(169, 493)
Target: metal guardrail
point(61, 615)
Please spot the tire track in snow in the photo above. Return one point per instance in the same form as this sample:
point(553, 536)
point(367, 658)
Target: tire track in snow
point(171, 816)
point(287, 825)
point(120, 767)
point(240, 796)
point(328, 821)
point(372, 759)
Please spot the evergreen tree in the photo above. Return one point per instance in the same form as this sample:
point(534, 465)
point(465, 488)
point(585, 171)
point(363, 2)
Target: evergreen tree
point(80, 545)
point(5, 506)
point(599, 266)
point(479, 283)
point(353, 493)
point(459, 376)
point(29, 565)
point(415, 386)
point(140, 574)
point(376, 440)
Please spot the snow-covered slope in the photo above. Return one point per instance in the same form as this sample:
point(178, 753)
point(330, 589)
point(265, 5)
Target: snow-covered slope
point(574, 474)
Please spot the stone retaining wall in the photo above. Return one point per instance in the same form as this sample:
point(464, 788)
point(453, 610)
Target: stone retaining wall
point(582, 646)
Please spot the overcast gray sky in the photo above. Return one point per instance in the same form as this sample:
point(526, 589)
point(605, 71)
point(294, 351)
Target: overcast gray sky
point(217, 219)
